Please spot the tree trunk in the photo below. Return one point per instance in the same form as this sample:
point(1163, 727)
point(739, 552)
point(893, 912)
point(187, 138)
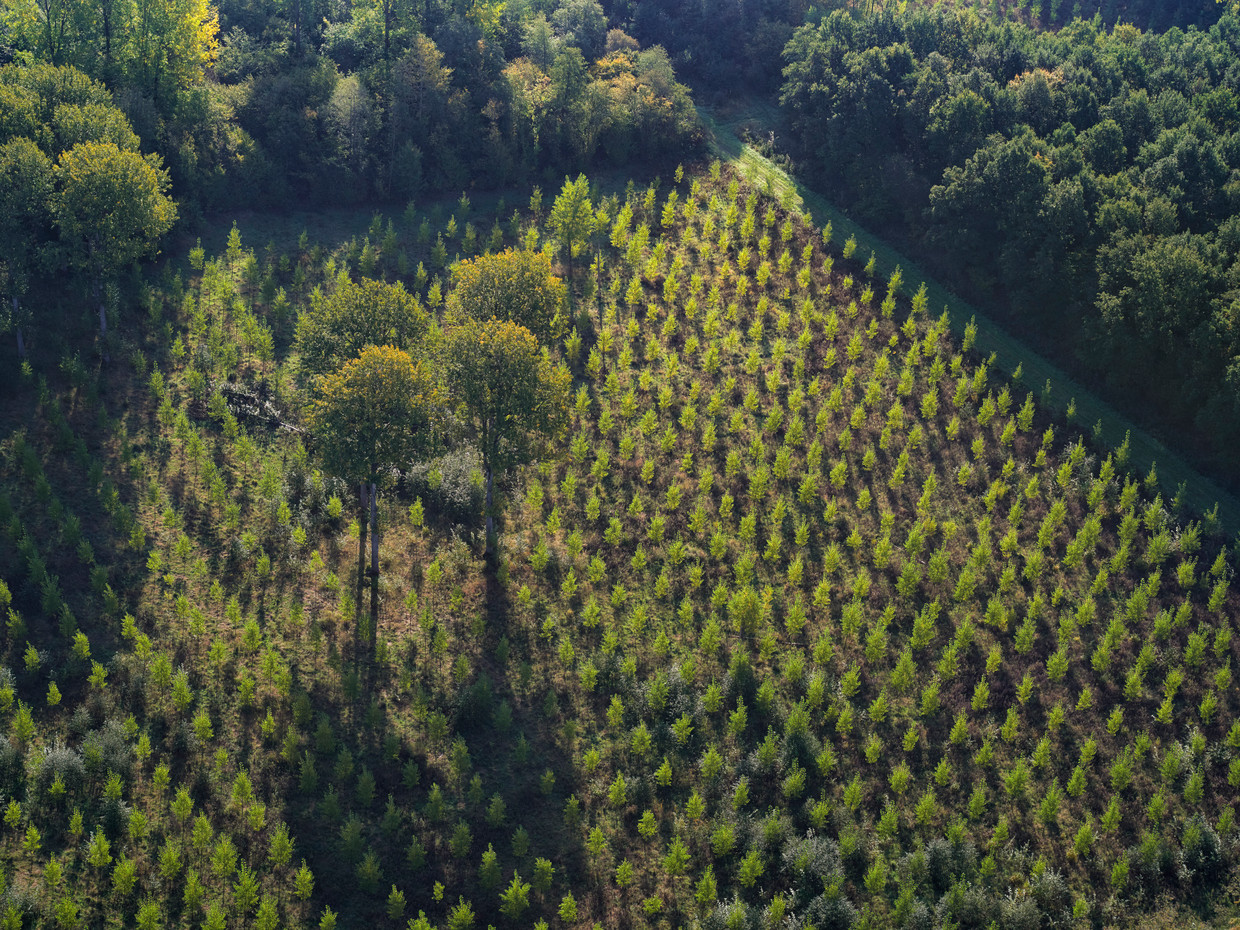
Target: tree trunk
point(103, 319)
point(17, 328)
point(374, 566)
point(490, 513)
point(107, 38)
point(361, 572)
point(387, 30)
point(598, 286)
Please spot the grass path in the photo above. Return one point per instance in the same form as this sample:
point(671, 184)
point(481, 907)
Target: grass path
point(1145, 452)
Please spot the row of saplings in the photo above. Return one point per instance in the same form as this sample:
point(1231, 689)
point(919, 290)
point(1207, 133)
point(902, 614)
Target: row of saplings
point(944, 883)
point(390, 385)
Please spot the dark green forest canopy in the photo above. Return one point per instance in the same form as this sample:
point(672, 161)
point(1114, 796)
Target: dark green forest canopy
point(259, 103)
point(1086, 179)
point(722, 46)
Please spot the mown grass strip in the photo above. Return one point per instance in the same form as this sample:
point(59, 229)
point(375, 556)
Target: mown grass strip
point(1145, 452)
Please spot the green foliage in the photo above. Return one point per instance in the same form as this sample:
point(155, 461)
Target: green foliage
point(512, 396)
point(515, 899)
point(338, 326)
point(997, 164)
point(738, 677)
point(376, 412)
point(513, 285)
point(111, 206)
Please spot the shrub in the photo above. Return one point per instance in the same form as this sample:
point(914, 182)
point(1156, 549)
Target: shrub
point(107, 750)
point(450, 486)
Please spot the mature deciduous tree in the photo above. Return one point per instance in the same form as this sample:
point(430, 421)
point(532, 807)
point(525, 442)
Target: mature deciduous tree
point(509, 392)
point(172, 44)
point(26, 180)
point(584, 24)
point(530, 94)
point(374, 414)
point(31, 96)
point(337, 327)
point(352, 120)
point(159, 46)
point(45, 27)
point(112, 208)
point(72, 124)
point(108, 201)
point(514, 285)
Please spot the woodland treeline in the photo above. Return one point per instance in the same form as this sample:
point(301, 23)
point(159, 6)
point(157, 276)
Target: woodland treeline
point(1085, 179)
point(720, 46)
point(261, 103)
point(346, 101)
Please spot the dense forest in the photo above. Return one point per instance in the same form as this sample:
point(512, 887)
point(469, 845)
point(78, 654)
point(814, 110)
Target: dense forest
point(434, 496)
point(1086, 179)
point(350, 103)
point(723, 46)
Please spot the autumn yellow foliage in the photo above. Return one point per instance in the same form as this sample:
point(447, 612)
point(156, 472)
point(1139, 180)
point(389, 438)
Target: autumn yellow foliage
point(514, 285)
point(375, 413)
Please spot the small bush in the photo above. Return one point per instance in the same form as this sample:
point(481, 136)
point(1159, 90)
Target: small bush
point(451, 486)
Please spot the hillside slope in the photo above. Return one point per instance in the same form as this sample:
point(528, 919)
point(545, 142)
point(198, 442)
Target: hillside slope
point(812, 619)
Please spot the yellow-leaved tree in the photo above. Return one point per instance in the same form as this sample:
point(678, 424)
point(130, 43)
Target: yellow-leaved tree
point(112, 207)
point(156, 46)
point(514, 285)
point(172, 44)
point(508, 391)
point(375, 414)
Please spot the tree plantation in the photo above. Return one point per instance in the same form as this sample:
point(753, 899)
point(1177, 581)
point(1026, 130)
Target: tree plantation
point(567, 530)
point(800, 616)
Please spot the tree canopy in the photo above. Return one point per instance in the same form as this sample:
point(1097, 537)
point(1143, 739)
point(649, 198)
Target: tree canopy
point(111, 205)
point(158, 45)
point(506, 389)
point(510, 392)
point(112, 208)
point(26, 181)
point(76, 189)
point(338, 326)
point(376, 412)
point(515, 285)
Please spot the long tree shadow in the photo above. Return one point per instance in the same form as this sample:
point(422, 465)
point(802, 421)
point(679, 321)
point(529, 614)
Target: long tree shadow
point(498, 603)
